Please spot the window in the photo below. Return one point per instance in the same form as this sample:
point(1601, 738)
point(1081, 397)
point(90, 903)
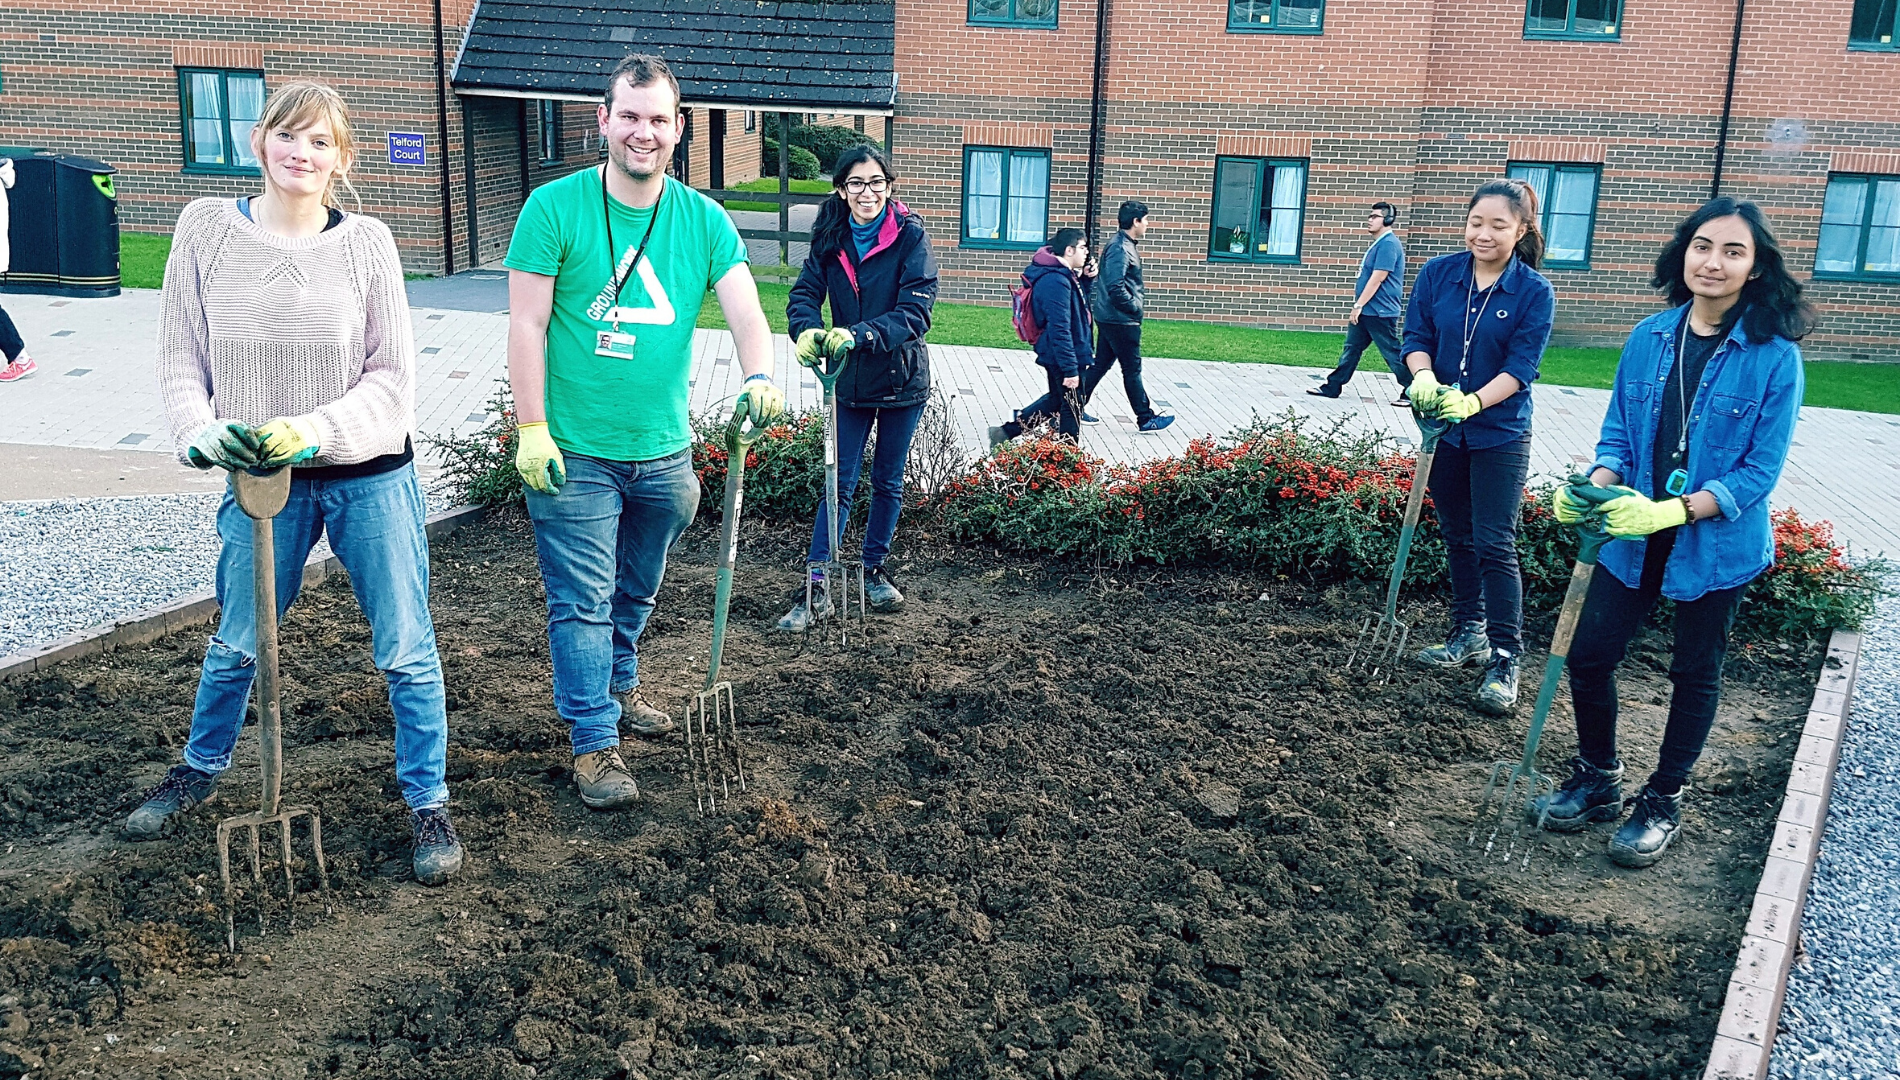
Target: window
point(1574, 20)
point(1259, 204)
point(220, 108)
point(551, 132)
point(1860, 228)
point(1275, 16)
point(751, 121)
point(1005, 197)
point(1013, 12)
point(1567, 199)
point(1873, 24)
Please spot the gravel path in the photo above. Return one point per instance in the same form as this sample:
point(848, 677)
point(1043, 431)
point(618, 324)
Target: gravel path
point(1842, 1018)
point(73, 563)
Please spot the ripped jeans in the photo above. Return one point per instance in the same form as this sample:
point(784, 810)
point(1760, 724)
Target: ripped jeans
point(375, 526)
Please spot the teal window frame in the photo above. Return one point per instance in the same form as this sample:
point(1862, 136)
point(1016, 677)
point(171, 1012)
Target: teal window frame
point(1000, 242)
point(1546, 209)
point(189, 160)
point(548, 133)
point(1864, 228)
point(1570, 31)
point(1219, 248)
point(1876, 41)
point(1015, 17)
point(1251, 23)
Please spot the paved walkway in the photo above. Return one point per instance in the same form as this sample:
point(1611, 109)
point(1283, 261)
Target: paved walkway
point(97, 391)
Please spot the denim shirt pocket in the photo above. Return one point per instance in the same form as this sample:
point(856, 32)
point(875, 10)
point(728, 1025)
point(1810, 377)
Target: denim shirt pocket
point(1729, 420)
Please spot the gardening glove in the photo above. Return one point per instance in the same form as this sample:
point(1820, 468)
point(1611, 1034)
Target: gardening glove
point(538, 460)
point(762, 399)
point(838, 342)
point(805, 349)
point(224, 443)
point(1567, 506)
point(286, 441)
point(1455, 406)
point(1424, 390)
point(1634, 515)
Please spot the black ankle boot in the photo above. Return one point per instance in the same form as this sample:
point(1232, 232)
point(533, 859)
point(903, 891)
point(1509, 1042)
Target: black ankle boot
point(1652, 827)
point(1590, 795)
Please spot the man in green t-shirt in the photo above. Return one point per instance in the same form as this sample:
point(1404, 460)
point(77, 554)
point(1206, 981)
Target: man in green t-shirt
point(608, 269)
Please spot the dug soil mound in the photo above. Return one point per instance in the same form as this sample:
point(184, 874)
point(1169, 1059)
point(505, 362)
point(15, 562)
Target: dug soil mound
point(1046, 823)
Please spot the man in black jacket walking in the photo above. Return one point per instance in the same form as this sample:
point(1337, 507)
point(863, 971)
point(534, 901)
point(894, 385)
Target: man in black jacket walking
point(1059, 304)
point(1117, 304)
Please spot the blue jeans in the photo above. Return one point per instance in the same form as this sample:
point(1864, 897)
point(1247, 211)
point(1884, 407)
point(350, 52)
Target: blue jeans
point(375, 526)
point(894, 430)
point(602, 543)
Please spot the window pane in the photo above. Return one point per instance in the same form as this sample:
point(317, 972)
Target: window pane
point(1549, 16)
point(247, 104)
point(990, 9)
point(1576, 191)
point(1839, 250)
point(203, 97)
point(1596, 16)
point(1538, 177)
point(1036, 10)
point(1299, 14)
point(1283, 213)
point(1028, 197)
point(983, 196)
point(1883, 239)
point(207, 142)
point(1873, 23)
point(1233, 206)
point(1254, 12)
point(1569, 239)
point(1846, 201)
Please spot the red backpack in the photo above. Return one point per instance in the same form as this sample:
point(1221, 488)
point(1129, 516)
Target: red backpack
point(1022, 312)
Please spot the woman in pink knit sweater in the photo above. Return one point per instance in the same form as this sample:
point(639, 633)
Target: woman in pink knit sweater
point(285, 341)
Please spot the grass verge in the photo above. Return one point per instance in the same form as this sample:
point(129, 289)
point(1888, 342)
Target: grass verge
point(770, 183)
point(142, 259)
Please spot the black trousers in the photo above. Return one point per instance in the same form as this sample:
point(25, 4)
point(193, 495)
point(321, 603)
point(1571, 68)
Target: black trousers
point(1119, 342)
point(1612, 615)
point(11, 344)
point(1060, 403)
point(1382, 330)
point(1476, 494)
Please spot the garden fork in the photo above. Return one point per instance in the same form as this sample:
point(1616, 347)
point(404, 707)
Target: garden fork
point(1514, 780)
point(712, 728)
point(1382, 637)
point(262, 497)
point(834, 571)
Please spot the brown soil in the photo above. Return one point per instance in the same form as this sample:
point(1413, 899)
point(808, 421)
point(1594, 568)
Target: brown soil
point(1048, 823)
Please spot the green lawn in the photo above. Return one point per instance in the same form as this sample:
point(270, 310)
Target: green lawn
point(770, 183)
point(1869, 387)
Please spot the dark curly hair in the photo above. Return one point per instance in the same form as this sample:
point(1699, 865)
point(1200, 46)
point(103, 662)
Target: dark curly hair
point(1771, 304)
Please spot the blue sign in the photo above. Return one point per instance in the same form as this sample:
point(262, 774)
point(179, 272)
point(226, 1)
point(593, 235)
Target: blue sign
point(406, 148)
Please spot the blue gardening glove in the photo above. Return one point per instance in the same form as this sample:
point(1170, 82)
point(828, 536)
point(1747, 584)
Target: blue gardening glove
point(1635, 515)
point(1424, 391)
point(762, 399)
point(226, 444)
point(806, 346)
point(538, 460)
point(286, 441)
point(839, 341)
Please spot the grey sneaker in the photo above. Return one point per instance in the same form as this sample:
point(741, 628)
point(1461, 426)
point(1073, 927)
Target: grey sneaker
point(799, 618)
point(881, 591)
point(438, 849)
point(604, 781)
point(183, 788)
point(1497, 691)
point(640, 717)
point(1466, 645)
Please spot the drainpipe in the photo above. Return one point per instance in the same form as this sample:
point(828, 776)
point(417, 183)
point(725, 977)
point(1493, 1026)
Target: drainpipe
point(1728, 100)
point(442, 141)
point(1093, 203)
point(468, 183)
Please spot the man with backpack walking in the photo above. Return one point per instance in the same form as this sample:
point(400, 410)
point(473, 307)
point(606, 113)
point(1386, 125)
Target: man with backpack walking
point(1051, 312)
point(1118, 312)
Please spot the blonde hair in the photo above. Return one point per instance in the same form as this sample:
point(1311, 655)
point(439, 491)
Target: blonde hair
point(298, 105)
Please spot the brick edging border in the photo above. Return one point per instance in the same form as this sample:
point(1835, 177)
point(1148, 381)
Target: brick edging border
point(192, 610)
point(1745, 1034)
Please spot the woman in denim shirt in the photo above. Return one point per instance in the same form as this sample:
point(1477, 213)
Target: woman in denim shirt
point(1700, 419)
point(1474, 339)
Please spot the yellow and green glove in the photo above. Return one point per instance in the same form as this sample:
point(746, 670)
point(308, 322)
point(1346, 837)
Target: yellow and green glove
point(1455, 406)
point(1568, 507)
point(538, 460)
point(839, 341)
point(1635, 515)
point(286, 440)
point(761, 399)
point(1424, 390)
point(224, 443)
point(806, 346)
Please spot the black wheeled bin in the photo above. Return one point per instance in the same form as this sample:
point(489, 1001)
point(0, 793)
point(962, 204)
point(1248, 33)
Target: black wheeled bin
point(63, 227)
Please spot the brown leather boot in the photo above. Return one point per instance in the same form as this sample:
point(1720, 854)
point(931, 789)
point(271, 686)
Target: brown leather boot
point(604, 781)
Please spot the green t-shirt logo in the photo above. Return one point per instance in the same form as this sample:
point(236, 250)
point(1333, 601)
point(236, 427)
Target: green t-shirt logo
point(659, 310)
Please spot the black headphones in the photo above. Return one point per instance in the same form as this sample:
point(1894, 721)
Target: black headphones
point(1391, 215)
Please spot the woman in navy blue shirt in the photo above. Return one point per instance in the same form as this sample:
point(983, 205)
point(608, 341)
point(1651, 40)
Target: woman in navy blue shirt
point(1700, 419)
point(1474, 338)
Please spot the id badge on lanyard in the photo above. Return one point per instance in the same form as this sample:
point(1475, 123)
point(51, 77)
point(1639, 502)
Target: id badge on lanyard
point(614, 344)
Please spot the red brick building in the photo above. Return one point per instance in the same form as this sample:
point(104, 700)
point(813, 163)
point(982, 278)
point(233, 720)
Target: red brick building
point(1282, 120)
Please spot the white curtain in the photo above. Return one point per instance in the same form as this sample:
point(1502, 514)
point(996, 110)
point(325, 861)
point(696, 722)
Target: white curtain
point(1883, 237)
point(1841, 216)
point(1028, 197)
point(983, 196)
point(1289, 187)
point(207, 119)
point(247, 104)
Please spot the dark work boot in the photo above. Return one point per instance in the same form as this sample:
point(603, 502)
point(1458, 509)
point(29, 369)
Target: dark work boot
point(1497, 691)
point(438, 852)
point(183, 788)
point(1652, 827)
point(1589, 796)
point(1466, 644)
point(881, 591)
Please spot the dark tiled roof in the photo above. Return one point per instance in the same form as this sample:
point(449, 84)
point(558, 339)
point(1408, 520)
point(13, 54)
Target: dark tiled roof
point(757, 54)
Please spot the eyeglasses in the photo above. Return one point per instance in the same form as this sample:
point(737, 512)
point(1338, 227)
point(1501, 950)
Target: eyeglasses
point(879, 184)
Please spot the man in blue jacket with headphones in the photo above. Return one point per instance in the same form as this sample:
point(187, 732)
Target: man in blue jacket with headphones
point(1376, 309)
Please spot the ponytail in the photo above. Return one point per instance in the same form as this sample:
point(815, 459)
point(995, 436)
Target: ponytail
point(1523, 203)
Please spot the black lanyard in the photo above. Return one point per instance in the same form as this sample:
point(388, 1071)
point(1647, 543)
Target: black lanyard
point(613, 253)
